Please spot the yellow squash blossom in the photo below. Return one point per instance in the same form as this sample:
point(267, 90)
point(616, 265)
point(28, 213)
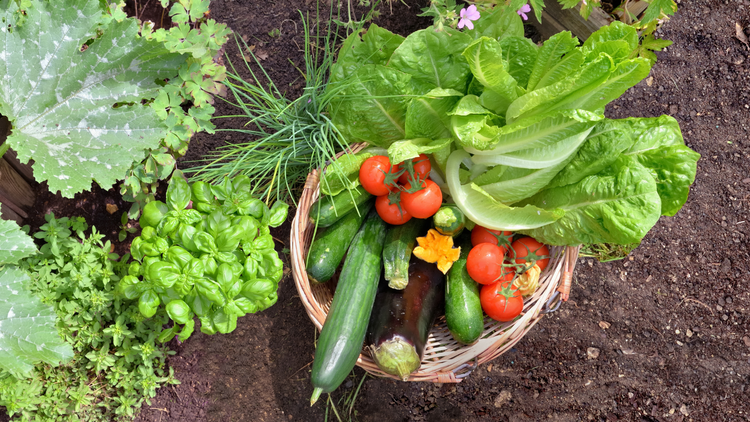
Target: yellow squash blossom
point(528, 282)
point(437, 248)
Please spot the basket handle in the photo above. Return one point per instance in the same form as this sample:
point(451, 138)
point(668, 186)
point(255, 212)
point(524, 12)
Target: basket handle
point(568, 267)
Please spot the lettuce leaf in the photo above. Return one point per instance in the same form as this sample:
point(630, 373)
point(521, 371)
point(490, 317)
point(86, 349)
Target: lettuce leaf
point(375, 46)
point(372, 105)
point(434, 58)
point(427, 116)
point(548, 60)
point(618, 205)
point(485, 58)
point(482, 209)
point(519, 56)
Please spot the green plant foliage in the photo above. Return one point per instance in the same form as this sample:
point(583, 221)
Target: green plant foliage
point(72, 88)
point(117, 364)
point(27, 327)
point(185, 103)
point(531, 151)
point(288, 138)
point(14, 243)
point(215, 260)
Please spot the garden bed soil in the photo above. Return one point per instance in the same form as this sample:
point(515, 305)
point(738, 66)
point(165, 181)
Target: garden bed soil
point(663, 335)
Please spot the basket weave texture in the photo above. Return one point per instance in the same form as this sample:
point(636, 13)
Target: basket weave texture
point(445, 360)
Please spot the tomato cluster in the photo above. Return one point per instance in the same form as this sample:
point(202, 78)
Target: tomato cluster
point(397, 200)
point(495, 261)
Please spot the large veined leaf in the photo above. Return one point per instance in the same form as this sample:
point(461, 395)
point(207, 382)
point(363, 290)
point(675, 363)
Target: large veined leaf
point(374, 47)
point(78, 114)
point(434, 58)
point(14, 244)
point(27, 327)
point(543, 156)
point(602, 147)
point(472, 124)
point(482, 209)
point(502, 22)
point(485, 59)
point(517, 183)
point(519, 54)
point(616, 31)
point(619, 205)
point(372, 106)
point(534, 132)
point(549, 56)
point(659, 147)
point(560, 94)
point(427, 116)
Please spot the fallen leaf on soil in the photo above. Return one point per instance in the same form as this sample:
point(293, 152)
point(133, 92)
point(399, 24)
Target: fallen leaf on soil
point(650, 81)
point(261, 55)
point(604, 325)
point(740, 33)
point(746, 339)
point(112, 208)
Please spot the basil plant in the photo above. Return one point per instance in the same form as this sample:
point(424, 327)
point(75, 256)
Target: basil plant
point(214, 260)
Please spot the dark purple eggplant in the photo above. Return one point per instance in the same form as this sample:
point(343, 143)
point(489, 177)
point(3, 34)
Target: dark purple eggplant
point(401, 319)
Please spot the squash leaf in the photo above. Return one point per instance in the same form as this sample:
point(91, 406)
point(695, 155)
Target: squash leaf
point(73, 84)
point(14, 244)
point(27, 327)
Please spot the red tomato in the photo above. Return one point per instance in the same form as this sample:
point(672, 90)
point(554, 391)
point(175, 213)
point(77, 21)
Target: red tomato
point(501, 302)
point(481, 234)
point(390, 213)
point(372, 175)
point(526, 246)
point(485, 264)
point(422, 169)
point(422, 203)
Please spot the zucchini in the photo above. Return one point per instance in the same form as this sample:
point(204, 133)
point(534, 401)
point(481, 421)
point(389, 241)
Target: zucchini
point(449, 220)
point(329, 209)
point(329, 248)
point(344, 331)
point(402, 319)
point(463, 309)
point(399, 243)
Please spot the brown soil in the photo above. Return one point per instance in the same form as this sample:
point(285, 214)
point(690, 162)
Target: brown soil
point(671, 322)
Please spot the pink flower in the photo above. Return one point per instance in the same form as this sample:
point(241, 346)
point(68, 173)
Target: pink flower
point(468, 15)
point(523, 11)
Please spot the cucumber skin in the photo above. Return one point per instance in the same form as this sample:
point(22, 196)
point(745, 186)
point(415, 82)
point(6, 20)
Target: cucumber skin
point(463, 308)
point(399, 244)
point(329, 209)
point(327, 250)
point(345, 327)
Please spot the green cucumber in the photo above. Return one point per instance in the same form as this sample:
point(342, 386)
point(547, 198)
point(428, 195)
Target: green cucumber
point(449, 220)
point(343, 333)
point(329, 209)
point(329, 248)
point(399, 243)
point(463, 309)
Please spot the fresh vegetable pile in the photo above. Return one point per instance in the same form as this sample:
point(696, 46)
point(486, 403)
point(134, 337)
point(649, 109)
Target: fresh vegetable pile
point(487, 131)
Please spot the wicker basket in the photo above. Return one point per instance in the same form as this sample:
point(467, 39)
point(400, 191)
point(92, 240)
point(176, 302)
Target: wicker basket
point(445, 360)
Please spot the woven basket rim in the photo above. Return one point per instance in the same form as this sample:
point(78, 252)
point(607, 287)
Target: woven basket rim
point(445, 360)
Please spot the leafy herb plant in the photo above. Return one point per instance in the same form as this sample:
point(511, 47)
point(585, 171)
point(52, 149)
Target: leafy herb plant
point(215, 260)
point(117, 362)
point(287, 138)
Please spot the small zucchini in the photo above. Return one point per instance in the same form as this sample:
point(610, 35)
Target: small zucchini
point(329, 248)
point(402, 319)
point(344, 331)
point(329, 209)
point(463, 309)
point(449, 220)
point(399, 243)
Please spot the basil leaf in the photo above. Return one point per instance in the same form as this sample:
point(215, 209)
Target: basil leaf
point(178, 192)
point(179, 311)
point(148, 303)
point(278, 213)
